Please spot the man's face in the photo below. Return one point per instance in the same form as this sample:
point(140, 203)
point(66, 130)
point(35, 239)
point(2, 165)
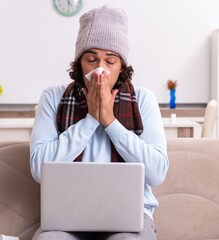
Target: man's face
point(94, 58)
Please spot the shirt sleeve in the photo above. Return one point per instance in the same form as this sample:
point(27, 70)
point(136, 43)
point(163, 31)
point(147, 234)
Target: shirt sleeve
point(47, 145)
point(148, 148)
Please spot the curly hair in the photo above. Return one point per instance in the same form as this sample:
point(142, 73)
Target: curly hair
point(75, 73)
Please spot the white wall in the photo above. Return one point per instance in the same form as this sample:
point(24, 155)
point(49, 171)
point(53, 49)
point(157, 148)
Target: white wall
point(168, 39)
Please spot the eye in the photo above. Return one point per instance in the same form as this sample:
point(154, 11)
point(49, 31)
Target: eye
point(111, 61)
point(91, 60)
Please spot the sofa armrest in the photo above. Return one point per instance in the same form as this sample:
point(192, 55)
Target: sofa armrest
point(189, 197)
point(20, 194)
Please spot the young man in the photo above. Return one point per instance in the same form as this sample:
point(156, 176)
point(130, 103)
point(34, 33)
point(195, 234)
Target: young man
point(102, 114)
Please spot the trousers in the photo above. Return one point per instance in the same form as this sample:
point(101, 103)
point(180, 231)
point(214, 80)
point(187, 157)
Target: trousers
point(148, 233)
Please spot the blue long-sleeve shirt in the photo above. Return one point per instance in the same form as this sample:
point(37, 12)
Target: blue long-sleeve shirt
point(90, 136)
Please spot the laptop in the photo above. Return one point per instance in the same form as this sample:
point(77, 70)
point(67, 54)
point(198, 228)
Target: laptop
point(79, 196)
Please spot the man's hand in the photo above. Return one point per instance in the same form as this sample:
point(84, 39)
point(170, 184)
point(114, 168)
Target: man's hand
point(107, 97)
point(92, 96)
point(100, 99)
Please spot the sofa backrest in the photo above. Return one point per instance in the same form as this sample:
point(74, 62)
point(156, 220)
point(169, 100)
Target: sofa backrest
point(189, 197)
point(19, 193)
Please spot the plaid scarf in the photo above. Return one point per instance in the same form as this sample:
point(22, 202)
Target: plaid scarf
point(73, 107)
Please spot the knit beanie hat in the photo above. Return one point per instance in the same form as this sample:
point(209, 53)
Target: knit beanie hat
point(103, 28)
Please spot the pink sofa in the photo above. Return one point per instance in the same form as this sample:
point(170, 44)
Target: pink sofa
point(189, 197)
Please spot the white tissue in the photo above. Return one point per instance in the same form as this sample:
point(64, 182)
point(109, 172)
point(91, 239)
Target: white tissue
point(99, 70)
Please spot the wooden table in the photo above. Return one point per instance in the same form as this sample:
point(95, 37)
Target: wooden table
point(181, 127)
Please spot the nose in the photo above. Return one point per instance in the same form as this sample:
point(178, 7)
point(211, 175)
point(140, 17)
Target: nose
point(101, 63)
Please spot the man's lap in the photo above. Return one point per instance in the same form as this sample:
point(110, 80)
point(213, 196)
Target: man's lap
point(148, 233)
